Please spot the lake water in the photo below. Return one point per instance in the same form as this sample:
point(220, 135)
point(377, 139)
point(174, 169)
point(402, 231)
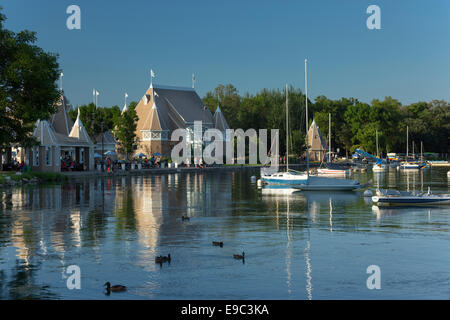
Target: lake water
point(311, 245)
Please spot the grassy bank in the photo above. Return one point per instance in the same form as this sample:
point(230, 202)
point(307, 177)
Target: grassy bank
point(41, 177)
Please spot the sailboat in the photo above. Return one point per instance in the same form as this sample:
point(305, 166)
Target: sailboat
point(306, 181)
point(379, 167)
point(287, 178)
point(410, 165)
point(332, 169)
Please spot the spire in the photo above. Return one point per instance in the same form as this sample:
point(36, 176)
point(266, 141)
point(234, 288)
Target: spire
point(125, 108)
point(78, 131)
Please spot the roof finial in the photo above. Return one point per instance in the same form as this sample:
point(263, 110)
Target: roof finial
point(152, 75)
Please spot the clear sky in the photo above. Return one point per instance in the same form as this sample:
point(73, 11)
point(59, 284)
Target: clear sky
point(251, 44)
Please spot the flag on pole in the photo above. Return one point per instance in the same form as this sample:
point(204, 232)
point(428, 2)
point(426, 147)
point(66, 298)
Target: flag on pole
point(126, 95)
point(62, 74)
point(97, 93)
point(152, 74)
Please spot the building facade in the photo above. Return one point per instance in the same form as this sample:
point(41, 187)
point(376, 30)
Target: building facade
point(59, 139)
point(164, 109)
point(317, 144)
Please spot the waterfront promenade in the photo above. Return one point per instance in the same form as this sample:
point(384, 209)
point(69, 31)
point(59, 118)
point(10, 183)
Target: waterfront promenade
point(137, 172)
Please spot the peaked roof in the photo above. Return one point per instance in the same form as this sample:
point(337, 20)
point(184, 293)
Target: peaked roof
point(170, 108)
point(108, 138)
point(219, 121)
point(155, 121)
point(316, 140)
point(44, 133)
point(61, 121)
point(79, 131)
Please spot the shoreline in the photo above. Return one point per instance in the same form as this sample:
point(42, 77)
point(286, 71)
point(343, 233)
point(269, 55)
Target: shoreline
point(75, 175)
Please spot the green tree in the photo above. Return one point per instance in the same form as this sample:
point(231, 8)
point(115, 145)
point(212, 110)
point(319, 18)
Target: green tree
point(28, 88)
point(125, 130)
point(96, 119)
point(227, 97)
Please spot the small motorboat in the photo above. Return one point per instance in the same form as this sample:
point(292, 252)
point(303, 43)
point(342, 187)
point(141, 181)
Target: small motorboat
point(379, 167)
point(334, 170)
point(395, 197)
point(412, 165)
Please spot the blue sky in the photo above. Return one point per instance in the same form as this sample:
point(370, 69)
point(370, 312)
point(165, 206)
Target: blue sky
point(251, 44)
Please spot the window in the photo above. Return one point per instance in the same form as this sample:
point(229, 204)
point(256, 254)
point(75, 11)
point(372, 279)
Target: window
point(35, 156)
point(48, 156)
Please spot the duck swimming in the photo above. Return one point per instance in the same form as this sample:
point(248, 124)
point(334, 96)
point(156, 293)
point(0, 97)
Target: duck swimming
point(162, 259)
point(216, 243)
point(238, 256)
point(115, 288)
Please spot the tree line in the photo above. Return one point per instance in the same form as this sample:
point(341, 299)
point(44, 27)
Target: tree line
point(98, 120)
point(353, 123)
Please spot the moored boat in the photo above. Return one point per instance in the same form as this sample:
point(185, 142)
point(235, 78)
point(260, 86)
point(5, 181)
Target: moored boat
point(379, 167)
point(395, 197)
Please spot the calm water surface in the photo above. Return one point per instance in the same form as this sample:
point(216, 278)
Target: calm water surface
point(312, 245)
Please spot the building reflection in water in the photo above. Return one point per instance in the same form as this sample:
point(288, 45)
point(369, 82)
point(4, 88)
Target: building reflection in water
point(46, 223)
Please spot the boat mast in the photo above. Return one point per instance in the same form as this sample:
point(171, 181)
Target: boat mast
point(287, 130)
point(407, 143)
point(329, 138)
point(306, 119)
point(421, 151)
point(377, 144)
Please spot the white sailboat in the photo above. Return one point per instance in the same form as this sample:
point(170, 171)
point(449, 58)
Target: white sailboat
point(306, 181)
point(410, 165)
point(286, 178)
point(316, 183)
point(379, 167)
point(330, 169)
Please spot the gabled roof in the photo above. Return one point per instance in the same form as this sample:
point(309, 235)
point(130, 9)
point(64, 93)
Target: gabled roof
point(108, 138)
point(219, 121)
point(316, 140)
point(170, 108)
point(155, 121)
point(79, 131)
point(47, 136)
point(44, 133)
point(60, 121)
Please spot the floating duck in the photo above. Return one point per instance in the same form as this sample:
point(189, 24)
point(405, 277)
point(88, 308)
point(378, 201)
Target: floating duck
point(184, 218)
point(217, 244)
point(162, 259)
point(115, 288)
point(238, 256)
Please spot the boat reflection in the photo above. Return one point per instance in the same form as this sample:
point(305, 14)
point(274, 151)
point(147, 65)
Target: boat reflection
point(388, 211)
